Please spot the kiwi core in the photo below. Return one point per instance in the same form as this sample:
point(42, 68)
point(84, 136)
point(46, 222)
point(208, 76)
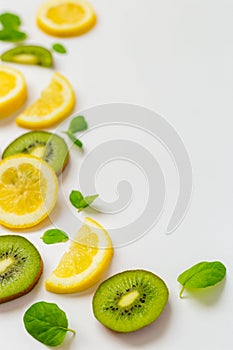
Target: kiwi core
point(4, 264)
point(128, 298)
point(26, 58)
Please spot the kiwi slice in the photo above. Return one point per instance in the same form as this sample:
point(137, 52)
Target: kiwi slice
point(130, 300)
point(20, 267)
point(42, 144)
point(29, 54)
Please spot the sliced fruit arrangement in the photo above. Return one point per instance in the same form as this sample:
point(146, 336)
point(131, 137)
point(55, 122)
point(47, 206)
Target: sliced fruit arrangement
point(82, 266)
point(130, 300)
point(66, 17)
point(13, 90)
point(42, 144)
point(29, 54)
point(28, 191)
point(20, 267)
point(55, 103)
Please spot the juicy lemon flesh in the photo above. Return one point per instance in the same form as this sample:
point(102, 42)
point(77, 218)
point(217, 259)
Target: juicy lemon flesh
point(8, 83)
point(55, 103)
point(50, 99)
point(13, 90)
point(80, 255)
point(22, 189)
point(85, 262)
point(66, 13)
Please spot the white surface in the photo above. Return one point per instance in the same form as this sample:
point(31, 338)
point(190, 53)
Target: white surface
point(174, 57)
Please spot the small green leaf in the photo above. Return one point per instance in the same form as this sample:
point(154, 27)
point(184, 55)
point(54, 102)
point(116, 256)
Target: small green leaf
point(54, 236)
point(202, 275)
point(80, 202)
point(10, 20)
point(8, 34)
point(78, 124)
point(76, 141)
point(47, 323)
point(59, 48)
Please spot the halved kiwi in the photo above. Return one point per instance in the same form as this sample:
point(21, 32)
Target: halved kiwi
point(20, 267)
point(130, 300)
point(42, 144)
point(29, 54)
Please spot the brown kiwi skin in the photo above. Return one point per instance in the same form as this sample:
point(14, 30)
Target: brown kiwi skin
point(28, 289)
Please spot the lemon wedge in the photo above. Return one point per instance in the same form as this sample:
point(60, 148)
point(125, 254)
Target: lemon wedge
point(55, 103)
point(28, 191)
point(13, 90)
point(66, 17)
point(82, 266)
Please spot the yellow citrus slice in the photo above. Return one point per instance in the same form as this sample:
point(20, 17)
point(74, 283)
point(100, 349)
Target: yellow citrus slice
point(13, 90)
point(56, 102)
point(66, 17)
point(85, 262)
point(28, 191)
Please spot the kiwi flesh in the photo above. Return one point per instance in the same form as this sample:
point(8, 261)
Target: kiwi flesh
point(29, 54)
point(42, 144)
point(20, 267)
point(130, 300)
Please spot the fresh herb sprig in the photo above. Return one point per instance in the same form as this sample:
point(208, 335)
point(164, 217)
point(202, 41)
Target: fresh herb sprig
point(202, 275)
point(47, 323)
point(77, 124)
point(79, 201)
point(10, 28)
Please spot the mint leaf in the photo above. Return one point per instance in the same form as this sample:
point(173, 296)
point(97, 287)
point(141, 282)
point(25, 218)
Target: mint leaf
point(80, 202)
point(202, 275)
point(8, 34)
point(78, 124)
point(76, 141)
point(47, 323)
point(54, 236)
point(10, 28)
point(10, 20)
point(59, 48)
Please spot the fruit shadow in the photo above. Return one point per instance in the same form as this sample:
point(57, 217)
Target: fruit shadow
point(206, 296)
point(41, 226)
point(149, 334)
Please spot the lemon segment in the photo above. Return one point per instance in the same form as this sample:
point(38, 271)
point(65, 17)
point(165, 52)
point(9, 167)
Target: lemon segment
point(82, 266)
point(28, 191)
point(13, 90)
point(56, 102)
point(64, 18)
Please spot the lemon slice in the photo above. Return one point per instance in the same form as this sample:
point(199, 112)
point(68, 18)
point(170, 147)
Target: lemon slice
point(28, 191)
point(66, 17)
point(55, 103)
point(13, 90)
point(85, 262)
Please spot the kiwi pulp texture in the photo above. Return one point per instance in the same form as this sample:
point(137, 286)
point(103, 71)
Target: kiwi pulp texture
point(20, 267)
point(42, 144)
point(130, 300)
point(29, 54)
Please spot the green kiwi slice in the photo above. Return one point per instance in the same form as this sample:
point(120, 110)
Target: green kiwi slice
point(130, 300)
point(29, 54)
point(20, 267)
point(42, 144)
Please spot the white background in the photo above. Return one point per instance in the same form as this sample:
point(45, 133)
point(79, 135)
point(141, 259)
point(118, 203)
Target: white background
point(175, 57)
